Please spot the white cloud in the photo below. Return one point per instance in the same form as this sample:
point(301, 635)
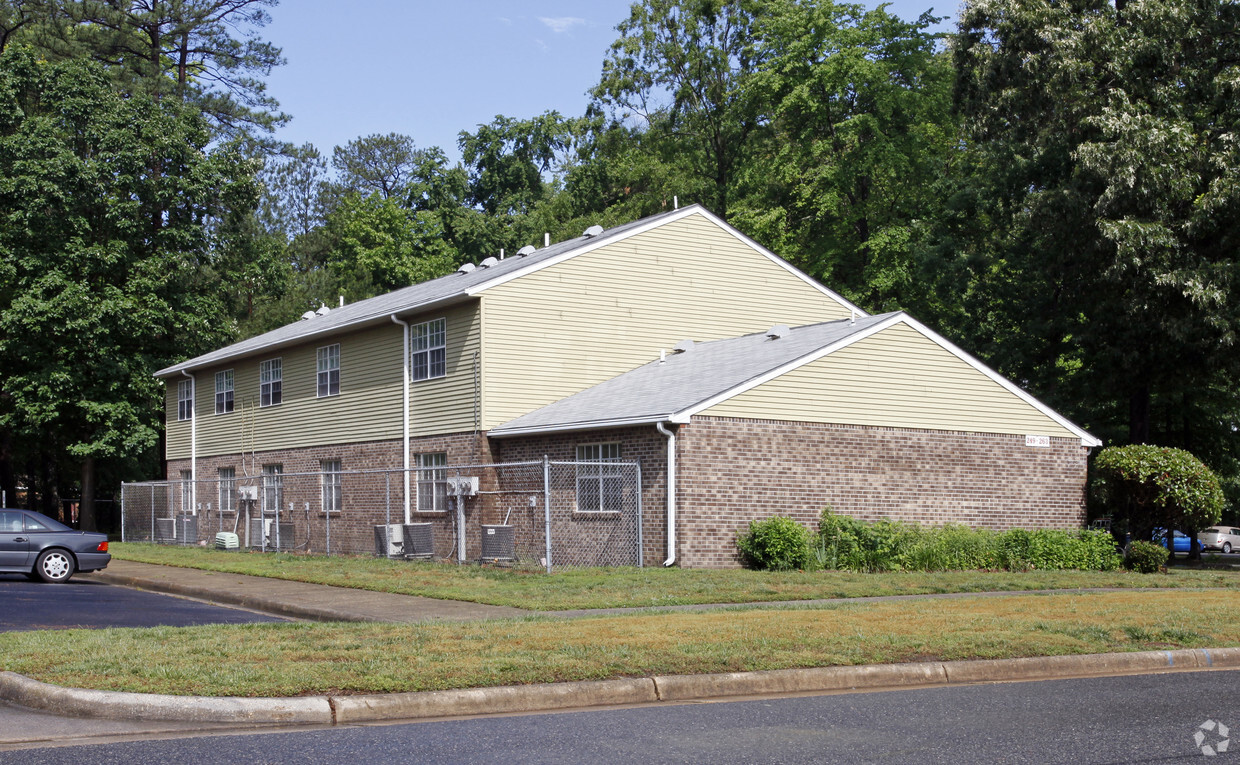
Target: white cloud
point(561, 24)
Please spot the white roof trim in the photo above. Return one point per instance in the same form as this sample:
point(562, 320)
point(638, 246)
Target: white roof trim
point(1086, 438)
point(684, 415)
point(625, 422)
point(677, 215)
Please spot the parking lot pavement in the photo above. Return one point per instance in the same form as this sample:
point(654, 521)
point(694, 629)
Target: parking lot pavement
point(83, 602)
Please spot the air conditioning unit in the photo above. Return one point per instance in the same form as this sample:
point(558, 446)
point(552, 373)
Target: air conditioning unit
point(389, 540)
point(165, 530)
point(463, 485)
point(263, 534)
point(498, 542)
point(187, 530)
point(226, 540)
point(419, 540)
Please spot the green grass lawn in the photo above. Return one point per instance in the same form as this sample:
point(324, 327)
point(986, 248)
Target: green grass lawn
point(633, 587)
point(304, 658)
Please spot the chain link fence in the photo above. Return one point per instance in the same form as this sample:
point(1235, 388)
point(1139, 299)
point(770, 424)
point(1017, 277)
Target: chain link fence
point(546, 514)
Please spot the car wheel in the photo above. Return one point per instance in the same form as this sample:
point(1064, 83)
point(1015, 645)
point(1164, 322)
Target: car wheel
point(54, 566)
point(1227, 547)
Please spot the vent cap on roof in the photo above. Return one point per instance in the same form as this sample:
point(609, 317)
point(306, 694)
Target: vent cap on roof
point(593, 231)
point(466, 268)
point(526, 250)
point(778, 331)
point(323, 310)
point(308, 315)
point(488, 262)
point(684, 346)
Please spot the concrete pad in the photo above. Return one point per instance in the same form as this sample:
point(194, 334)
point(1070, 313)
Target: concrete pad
point(478, 701)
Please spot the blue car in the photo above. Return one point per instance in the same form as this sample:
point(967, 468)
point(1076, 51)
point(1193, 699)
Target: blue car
point(43, 548)
point(1181, 542)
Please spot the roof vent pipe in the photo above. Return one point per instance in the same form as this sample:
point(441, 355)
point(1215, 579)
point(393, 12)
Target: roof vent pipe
point(501, 253)
point(547, 239)
point(853, 320)
point(662, 355)
point(675, 203)
point(342, 301)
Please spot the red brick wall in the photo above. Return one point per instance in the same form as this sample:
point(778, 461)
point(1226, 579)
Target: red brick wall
point(732, 471)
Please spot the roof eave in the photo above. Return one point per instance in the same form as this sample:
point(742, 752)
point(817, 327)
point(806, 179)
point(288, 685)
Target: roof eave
point(538, 430)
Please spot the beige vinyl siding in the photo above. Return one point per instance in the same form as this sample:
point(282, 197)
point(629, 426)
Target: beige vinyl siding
point(446, 404)
point(177, 432)
point(895, 378)
point(566, 327)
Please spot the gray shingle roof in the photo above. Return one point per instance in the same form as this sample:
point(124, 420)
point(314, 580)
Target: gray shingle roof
point(657, 391)
point(445, 290)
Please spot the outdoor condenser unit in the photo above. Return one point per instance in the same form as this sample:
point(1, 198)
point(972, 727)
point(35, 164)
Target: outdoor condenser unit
point(265, 527)
point(165, 530)
point(498, 542)
point(226, 540)
point(419, 539)
point(389, 540)
point(187, 530)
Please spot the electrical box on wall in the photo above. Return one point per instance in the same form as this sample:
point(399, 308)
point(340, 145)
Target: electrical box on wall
point(463, 485)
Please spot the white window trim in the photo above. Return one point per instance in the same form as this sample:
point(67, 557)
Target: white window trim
point(331, 479)
point(263, 385)
point(596, 473)
point(426, 329)
point(185, 394)
point(437, 481)
point(326, 351)
point(229, 401)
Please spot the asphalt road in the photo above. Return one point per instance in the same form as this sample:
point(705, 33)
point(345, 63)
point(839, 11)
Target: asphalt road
point(80, 602)
point(1138, 719)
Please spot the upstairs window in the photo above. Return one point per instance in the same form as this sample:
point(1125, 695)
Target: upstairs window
point(429, 350)
point(329, 371)
point(600, 487)
point(224, 392)
point(271, 376)
point(185, 400)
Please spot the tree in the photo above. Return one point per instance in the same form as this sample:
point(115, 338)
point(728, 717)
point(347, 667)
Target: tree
point(385, 244)
point(105, 257)
point(375, 163)
point(680, 68)
point(204, 52)
point(1102, 161)
point(294, 185)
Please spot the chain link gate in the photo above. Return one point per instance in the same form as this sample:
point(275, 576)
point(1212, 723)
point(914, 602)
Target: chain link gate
point(548, 513)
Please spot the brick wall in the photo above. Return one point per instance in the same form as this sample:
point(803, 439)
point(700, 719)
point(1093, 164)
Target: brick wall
point(732, 471)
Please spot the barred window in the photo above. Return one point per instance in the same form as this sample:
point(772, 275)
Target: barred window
point(329, 370)
point(224, 392)
point(228, 489)
point(187, 491)
point(429, 351)
point(271, 378)
point(185, 400)
point(432, 483)
point(332, 484)
point(273, 488)
point(600, 487)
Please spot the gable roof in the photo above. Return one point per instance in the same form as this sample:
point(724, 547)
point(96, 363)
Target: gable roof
point(459, 287)
point(681, 385)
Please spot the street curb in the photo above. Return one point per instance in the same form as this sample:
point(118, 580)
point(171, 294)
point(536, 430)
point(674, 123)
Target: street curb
point(266, 605)
point(546, 697)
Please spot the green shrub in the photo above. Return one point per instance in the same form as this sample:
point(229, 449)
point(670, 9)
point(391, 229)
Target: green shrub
point(1145, 557)
point(1147, 486)
point(952, 548)
point(854, 545)
point(776, 544)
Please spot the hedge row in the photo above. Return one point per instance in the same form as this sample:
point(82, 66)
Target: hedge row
point(846, 543)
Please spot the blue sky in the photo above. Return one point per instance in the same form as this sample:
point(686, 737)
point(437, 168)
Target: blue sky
point(432, 69)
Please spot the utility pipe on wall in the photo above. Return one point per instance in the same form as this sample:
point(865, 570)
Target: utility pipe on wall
point(671, 493)
point(405, 399)
point(193, 443)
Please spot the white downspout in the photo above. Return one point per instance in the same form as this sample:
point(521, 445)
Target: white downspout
point(405, 399)
point(193, 443)
point(671, 493)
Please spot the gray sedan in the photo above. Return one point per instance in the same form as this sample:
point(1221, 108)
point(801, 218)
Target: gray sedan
point(43, 548)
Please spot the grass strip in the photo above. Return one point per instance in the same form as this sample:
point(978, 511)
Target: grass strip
point(300, 658)
point(634, 587)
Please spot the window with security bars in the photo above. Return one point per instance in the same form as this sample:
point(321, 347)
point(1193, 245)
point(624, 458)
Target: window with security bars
point(433, 482)
point(329, 370)
point(228, 490)
point(600, 486)
point(429, 351)
point(332, 485)
point(185, 400)
point(187, 491)
point(224, 392)
point(271, 381)
point(273, 488)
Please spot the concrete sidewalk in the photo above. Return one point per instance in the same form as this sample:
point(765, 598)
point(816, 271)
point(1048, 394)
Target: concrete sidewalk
point(298, 600)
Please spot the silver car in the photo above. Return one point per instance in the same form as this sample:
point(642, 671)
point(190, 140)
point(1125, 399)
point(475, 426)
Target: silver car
point(1225, 538)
